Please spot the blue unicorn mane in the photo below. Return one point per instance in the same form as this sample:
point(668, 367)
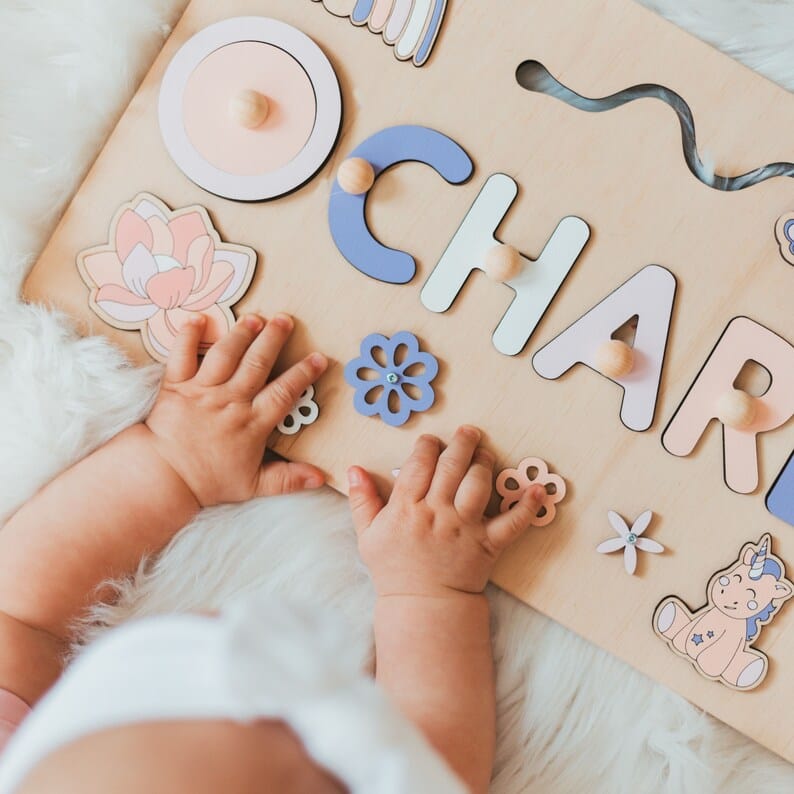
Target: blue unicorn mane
point(752, 623)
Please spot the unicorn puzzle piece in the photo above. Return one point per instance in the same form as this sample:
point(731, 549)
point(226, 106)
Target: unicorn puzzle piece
point(718, 638)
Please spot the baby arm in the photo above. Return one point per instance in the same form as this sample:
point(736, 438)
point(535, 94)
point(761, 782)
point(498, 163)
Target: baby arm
point(201, 445)
point(430, 551)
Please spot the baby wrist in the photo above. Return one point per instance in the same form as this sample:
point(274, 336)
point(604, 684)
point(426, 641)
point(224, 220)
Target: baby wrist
point(166, 477)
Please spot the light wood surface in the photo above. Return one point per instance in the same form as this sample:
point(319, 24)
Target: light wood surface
point(621, 171)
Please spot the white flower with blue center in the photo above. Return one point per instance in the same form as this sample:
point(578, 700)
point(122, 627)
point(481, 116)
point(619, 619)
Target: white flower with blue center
point(629, 539)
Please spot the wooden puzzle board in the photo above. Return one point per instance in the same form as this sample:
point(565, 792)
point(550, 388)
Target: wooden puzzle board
point(624, 173)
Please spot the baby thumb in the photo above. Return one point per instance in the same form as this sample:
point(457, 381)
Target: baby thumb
point(365, 501)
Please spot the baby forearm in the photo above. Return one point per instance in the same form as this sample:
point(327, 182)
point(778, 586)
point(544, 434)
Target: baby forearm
point(93, 522)
point(434, 658)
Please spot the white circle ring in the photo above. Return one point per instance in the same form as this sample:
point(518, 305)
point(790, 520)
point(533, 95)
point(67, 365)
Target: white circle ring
point(310, 159)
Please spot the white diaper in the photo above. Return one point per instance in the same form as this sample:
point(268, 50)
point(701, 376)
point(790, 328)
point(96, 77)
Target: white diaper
point(257, 661)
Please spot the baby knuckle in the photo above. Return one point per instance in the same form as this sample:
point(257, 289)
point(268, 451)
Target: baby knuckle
point(484, 457)
point(259, 364)
point(283, 394)
point(448, 465)
point(520, 521)
point(284, 481)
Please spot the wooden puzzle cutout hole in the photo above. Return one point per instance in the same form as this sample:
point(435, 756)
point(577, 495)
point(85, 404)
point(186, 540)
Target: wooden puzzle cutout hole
point(551, 488)
point(375, 394)
point(412, 391)
point(753, 378)
point(415, 370)
point(367, 373)
point(542, 512)
point(379, 355)
point(393, 400)
point(533, 76)
point(532, 473)
point(511, 484)
point(400, 353)
point(627, 332)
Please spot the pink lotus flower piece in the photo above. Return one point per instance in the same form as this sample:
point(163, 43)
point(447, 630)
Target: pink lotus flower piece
point(511, 483)
point(161, 265)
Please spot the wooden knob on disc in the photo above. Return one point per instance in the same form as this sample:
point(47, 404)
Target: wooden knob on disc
point(355, 176)
point(502, 263)
point(249, 108)
point(615, 359)
point(737, 409)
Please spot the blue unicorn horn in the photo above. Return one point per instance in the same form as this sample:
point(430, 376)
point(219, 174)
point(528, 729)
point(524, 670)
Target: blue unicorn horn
point(757, 568)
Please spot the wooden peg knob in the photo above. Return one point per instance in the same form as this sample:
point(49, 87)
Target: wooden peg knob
point(502, 263)
point(737, 409)
point(615, 359)
point(356, 176)
point(249, 108)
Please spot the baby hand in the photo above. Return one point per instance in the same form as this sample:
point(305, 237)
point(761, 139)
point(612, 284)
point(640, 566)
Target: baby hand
point(211, 422)
point(433, 538)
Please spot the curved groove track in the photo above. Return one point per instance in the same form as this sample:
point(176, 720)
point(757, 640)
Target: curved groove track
point(533, 76)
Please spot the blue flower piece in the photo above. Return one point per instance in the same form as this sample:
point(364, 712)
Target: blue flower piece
point(788, 230)
point(366, 375)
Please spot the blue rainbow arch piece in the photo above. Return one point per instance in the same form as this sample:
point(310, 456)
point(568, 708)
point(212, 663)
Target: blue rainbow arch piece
point(426, 47)
point(362, 11)
point(347, 213)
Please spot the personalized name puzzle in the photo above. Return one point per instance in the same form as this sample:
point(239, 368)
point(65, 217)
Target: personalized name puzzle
point(496, 213)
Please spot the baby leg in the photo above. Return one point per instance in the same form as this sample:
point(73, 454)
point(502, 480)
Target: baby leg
point(12, 711)
point(202, 757)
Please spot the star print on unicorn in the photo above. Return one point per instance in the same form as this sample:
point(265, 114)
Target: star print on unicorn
point(718, 638)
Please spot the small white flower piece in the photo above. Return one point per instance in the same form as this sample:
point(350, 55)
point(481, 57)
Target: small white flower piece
point(629, 539)
point(304, 413)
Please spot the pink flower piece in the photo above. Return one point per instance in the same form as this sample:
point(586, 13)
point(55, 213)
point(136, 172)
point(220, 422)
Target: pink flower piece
point(511, 483)
point(158, 267)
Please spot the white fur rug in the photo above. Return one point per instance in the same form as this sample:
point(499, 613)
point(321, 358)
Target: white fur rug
point(572, 718)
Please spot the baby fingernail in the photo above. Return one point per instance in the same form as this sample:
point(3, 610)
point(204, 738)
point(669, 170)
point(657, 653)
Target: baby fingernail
point(318, 360)
point(537, 493)
point(313, 482)
point(253, 322)
point(471, 431)
point(196, 319)
point(284, 321)
point(354, 476)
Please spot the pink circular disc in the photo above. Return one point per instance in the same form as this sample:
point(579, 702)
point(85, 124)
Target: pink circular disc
point(223, 141)
point(219, 153)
